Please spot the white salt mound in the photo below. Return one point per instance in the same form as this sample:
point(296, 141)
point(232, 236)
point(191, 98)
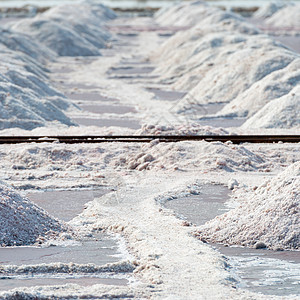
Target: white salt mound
point(273, 86)
point(287, 17)
point(268, 215)
point(27, 98)
point(268, 10)
point(22, 222)
point(19, 42)
point(58, 37)
point(239, 65)
point(224, 59)
point(70, 30)
point(283, 112)
point(193, 129)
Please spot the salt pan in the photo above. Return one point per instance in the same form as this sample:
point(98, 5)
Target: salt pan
point(24, 223)
point(269, 214)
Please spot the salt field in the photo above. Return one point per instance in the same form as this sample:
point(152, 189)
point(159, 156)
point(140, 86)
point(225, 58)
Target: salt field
point(177, 219)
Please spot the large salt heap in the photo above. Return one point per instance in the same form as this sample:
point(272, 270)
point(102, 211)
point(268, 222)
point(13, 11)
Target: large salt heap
point(28, 100)
point(24, 223)
point(268, 10)
point(287, 17)
point(273, 86)
point(283, 112)
point(70, 30)
point(268, 215)
point(222, 58)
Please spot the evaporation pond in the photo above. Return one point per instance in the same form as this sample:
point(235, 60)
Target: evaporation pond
point(65, 205)
point(129, 70)
point(265, 271)
point(198, 209)
point(166, 95)
point(89, 96)
point(98, 248)
point(221, 122)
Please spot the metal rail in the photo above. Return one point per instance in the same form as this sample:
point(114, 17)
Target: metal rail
point(235, 139)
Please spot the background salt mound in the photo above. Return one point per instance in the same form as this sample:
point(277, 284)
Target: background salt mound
point(205, 17)
point(69, 30)
point(241, 63)
point(27, 99)
point(268, 10)
point(19, 42)
point(200, 14)
point(286, 17)
point(283, 112)
point(269, 215)
point(274, 85)
point(224, 59)
point(60, 38)
point(22, 222)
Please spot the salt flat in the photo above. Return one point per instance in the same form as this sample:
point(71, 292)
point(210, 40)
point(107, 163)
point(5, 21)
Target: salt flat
point(80, 69)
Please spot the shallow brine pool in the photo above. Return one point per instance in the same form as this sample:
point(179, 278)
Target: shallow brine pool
point(44, 263)
point(265, 271)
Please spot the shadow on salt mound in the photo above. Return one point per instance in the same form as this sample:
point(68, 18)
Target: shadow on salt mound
point(20, 42)
point(58, 37)
point(28, 112)
point(28, 80)
point(70, 30)
point(27, 101)
point(24, 223)
point(86, 20)
point(268, 10)
point(268, 215)
point(204, 17)
point(231, 73)
point(287, 17)
point(282, 112)
point(273, 86)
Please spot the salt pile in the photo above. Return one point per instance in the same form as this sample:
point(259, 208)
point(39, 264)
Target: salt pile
point(283, 112)
point(18, 42)
point(205, 156)
point(24, 223)
point(201, 15)
point(267, 216)
point(61, 29)
point(28, 100)
point(287, 17)
point(268, 10)
point(224, 59)
point(271, 87)
point(193, 129)
point(185, 58)
point(238, 66)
